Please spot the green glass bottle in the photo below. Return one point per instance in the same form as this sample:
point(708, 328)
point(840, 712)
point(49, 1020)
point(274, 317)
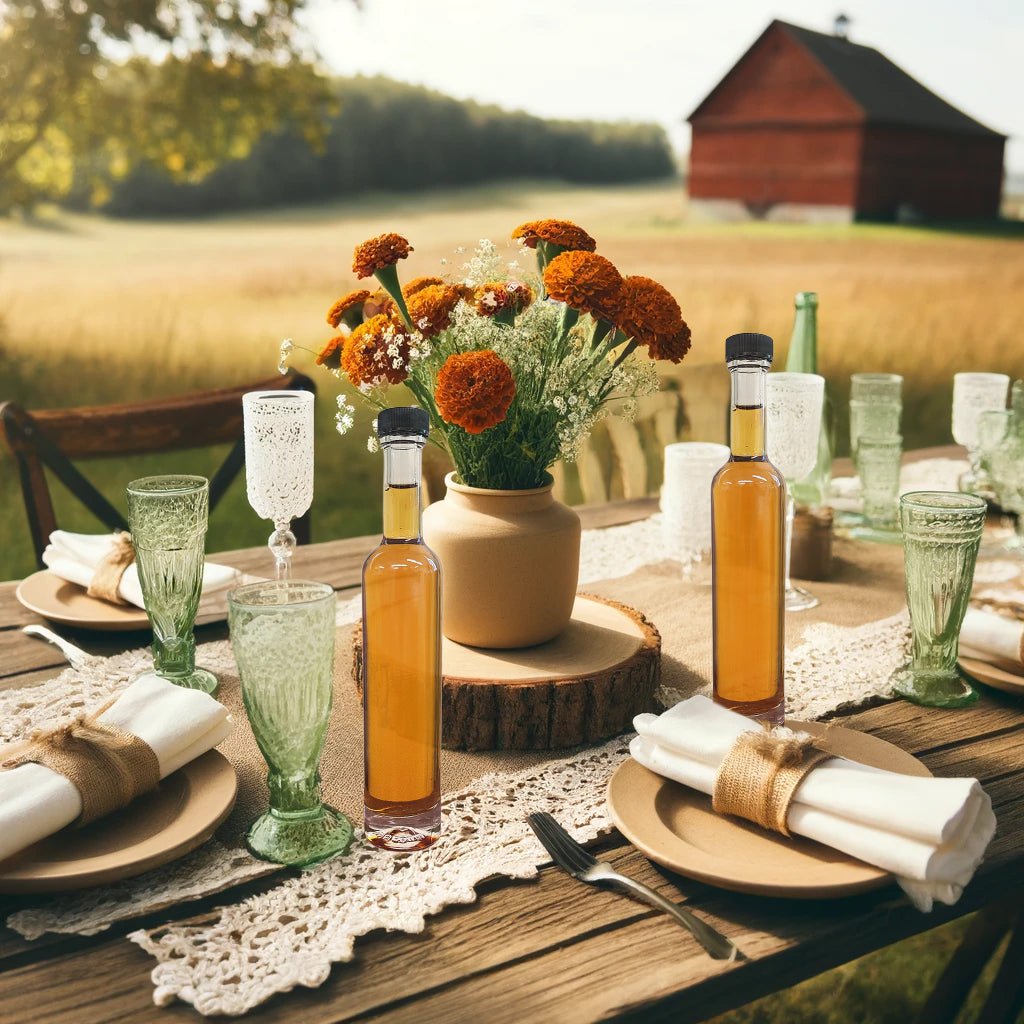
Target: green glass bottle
point(803, 358)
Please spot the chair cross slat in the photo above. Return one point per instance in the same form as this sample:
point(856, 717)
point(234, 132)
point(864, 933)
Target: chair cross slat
point(51, 438)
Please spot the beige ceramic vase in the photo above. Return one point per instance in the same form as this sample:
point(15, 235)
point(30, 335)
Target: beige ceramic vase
point(509, 564)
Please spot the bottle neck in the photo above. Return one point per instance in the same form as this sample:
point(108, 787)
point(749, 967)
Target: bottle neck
point(803, 345)
point(403, 459)
point(746, 421)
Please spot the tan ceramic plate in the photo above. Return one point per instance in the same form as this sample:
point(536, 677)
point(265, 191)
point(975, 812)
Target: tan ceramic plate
point(993, 675)
point(674, 826)
point(158, 828)
point(68, 604)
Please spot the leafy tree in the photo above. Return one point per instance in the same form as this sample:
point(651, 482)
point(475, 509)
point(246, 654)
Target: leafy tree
point(183, 85)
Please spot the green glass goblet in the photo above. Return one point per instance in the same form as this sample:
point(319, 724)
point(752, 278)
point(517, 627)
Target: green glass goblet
point(282, 635)
point(167, 516)
point(941, 534)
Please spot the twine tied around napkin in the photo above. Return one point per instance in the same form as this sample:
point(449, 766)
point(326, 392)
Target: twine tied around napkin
point(107, 577)
point(760, 774)
point(108, 766)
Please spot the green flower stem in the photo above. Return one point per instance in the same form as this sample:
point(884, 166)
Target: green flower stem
point(388, 278)
point(570, 317)
point(602, 328)
point(544, 257)
point(626, 353)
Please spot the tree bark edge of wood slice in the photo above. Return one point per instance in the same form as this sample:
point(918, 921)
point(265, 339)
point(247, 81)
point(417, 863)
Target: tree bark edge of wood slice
point(568, 706)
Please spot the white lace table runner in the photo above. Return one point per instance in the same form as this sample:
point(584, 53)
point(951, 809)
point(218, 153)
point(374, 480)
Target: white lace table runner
point(242, 953)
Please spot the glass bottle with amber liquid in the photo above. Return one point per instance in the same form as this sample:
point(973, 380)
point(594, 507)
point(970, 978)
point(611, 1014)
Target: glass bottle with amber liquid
point(748, 515)
point(402, 653)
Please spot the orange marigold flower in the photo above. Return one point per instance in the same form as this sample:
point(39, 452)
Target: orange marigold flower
point(495, 297)
point(419, 283)
point(669, 346)
point(377, 253)
point(585, 281)
point(474, 390)
point(647, 308)
point(378, 302)
point(330, 354)
point(351, 304)
point(562, 233)
point(377, 351)
point(431, 308)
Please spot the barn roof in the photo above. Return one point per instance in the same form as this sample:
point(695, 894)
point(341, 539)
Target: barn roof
point(882, 89)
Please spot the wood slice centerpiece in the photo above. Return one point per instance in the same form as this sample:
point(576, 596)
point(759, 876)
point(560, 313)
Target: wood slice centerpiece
point(583, 686)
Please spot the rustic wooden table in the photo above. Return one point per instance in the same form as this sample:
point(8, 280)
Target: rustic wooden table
point(549, 949)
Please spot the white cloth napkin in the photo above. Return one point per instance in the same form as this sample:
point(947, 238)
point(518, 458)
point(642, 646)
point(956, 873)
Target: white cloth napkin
point(930, 833)
point(74, 557)
point(990, 637)
point(179, 725)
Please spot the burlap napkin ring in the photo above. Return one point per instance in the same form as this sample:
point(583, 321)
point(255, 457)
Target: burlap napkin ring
point(108, 766)
point(760, 774)
point(107, 577)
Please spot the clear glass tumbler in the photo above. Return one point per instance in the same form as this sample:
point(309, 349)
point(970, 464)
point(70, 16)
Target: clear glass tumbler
point(690, 466)
point(279, 464)
point(793, 404)
point(282, 636)
point(973, 394)
point(879, 461)
point(941, 534)
point(167, 516)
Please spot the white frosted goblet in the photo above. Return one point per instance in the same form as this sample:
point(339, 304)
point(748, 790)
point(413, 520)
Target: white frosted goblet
point(973, 394)
point(793, 404)
point(279, 464)
point(690, 466)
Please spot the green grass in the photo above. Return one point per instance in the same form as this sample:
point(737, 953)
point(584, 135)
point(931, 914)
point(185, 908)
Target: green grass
point(885, 987)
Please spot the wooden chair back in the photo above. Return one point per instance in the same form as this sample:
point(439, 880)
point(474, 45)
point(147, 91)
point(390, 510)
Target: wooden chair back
point(51, 438)
point(624, 459)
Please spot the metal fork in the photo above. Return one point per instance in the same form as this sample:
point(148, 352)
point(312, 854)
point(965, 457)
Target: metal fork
point(75, 655)
point(573, 858)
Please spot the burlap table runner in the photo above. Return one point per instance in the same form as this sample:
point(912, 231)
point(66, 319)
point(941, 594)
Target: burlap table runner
point(867, 585)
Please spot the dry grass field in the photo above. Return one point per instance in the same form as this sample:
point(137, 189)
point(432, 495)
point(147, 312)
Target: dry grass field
point(95, 311)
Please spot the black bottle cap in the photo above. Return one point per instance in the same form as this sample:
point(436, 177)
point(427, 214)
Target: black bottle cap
point(756, 347)
point(403, 421)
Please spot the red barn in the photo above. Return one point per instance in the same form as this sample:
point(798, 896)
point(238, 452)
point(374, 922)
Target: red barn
point(809, 124)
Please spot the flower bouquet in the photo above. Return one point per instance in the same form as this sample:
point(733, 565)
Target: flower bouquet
point(514, 369)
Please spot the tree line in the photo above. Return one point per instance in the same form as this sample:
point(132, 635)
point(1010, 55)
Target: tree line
point(382, 134)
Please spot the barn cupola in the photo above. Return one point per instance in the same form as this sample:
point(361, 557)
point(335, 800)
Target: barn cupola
point(841, 26)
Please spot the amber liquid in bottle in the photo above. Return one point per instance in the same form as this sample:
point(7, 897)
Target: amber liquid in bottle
point(748, 504)
point(402, 666)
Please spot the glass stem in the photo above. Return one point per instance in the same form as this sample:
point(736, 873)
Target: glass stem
point(174, 657)
point(790, 513)
point(282, 546)
point(294, 794)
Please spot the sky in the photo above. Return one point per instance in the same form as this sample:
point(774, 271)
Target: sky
point(654, 60)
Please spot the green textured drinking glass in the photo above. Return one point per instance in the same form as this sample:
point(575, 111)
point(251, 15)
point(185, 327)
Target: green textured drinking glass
point(941, 534)
point(167, 516)
point(282, 636)
point(879, 462)
point(872, 420)
point(1006, 464)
